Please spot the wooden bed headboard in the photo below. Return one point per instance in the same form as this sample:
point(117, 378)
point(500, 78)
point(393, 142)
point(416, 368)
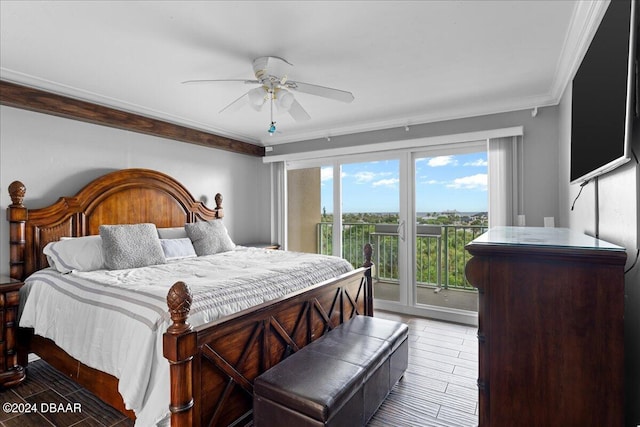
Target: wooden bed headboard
point(128, 196)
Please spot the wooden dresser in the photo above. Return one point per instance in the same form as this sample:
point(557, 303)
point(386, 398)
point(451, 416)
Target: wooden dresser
point(550, 327)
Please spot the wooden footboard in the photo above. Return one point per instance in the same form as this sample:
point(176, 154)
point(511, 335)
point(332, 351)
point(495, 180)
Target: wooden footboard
point(213, 366)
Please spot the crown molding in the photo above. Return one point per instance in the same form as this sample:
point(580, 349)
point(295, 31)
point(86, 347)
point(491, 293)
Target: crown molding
point(584, 24)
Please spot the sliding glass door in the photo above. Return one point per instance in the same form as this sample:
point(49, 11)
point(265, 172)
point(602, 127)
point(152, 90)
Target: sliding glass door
point(418, 209)
point(371, 214)
point(450, 209)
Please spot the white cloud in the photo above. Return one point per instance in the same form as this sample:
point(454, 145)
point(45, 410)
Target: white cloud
point(472, 182)
point(390, 182)
point(435, 162)
point(478, 162)
point(326, 174)
point(364, 176)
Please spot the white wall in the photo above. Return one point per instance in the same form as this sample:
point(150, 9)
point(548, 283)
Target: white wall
point(56, 157)
point(615, 215)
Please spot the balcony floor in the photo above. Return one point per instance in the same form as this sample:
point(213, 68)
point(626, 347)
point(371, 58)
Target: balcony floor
point(451, 298)
point(439, 388)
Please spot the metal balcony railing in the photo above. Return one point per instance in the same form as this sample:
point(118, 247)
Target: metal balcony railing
point(440, 253)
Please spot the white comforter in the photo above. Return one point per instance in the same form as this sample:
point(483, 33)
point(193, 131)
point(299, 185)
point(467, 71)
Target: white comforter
point(114, 320)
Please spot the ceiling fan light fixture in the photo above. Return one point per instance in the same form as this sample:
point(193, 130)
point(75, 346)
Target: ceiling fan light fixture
point(256, 98)
point(284, 100)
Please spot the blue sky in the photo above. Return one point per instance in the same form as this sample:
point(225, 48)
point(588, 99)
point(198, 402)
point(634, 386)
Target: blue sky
point(442, 183)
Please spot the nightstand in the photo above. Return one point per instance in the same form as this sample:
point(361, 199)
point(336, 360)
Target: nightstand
point(10, 372)
point(262, 245)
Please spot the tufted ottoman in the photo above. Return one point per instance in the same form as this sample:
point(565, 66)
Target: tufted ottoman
point(338, 380)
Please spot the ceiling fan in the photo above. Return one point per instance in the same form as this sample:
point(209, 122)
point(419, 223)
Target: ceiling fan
point(271, 74)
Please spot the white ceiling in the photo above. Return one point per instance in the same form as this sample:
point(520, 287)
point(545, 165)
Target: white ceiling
point(406, 62)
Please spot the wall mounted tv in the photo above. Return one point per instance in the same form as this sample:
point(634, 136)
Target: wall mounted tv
point(605, 102)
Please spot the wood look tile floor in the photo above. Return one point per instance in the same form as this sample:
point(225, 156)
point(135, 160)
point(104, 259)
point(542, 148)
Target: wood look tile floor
point(439, 388)
point(45, 385)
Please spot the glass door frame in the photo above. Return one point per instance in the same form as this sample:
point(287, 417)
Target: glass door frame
point(407, 302)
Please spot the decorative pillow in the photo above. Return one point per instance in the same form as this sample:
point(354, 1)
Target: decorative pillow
point(172, 233)
point(131, 246)
point(209, 237)
point(75, 254)
point(177, 248)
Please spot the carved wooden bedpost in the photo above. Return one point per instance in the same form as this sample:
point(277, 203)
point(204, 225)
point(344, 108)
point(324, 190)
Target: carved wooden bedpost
point(218, 208)
point(179, 347)
point(368, 252)
point(17, 217)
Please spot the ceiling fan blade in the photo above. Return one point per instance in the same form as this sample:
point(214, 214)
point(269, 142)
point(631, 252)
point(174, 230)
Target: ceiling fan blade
point(221, 80)
point(237, 104)
point(298, 113)
point(325, 92)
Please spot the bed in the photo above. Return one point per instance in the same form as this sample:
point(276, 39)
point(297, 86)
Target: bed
point(210, 366)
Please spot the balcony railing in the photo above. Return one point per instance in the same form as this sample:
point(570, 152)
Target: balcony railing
point(440, 253)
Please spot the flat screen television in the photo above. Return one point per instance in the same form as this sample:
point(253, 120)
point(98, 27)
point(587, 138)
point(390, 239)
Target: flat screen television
point(605, 102)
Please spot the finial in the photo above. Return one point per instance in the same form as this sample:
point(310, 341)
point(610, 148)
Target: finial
point(218, 209)
point(17, 191)
point(179, 300)
point(368, 252)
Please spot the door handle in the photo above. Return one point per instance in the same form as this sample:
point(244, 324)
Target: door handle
point(401, 230)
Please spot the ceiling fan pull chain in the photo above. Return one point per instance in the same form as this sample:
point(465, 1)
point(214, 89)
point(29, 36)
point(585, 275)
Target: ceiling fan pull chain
point(272, 128)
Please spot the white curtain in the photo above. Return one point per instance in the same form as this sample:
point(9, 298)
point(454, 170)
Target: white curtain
point(278, 203)
point(505, 195)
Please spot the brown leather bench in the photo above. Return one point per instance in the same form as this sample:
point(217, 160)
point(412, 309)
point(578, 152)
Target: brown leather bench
point(340, 379)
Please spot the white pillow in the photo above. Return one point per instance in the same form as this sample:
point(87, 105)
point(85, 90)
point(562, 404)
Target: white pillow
point(177, 248)
point(172, 233)
point(76, 254)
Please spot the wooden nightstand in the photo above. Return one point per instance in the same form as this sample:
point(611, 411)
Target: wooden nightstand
point(10, 372)
point(262, 245)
